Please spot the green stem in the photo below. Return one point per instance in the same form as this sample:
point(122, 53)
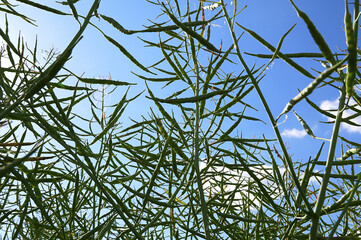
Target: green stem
point(331, 155)
point(269, 113)
point(345, 208)
point(196, 147)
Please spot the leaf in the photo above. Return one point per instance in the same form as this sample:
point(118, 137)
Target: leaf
point(177, 72)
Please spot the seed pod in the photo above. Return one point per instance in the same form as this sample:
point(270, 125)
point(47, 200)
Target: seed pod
point(121, 29)
point(191, 99)
point(351, 47)
point(190, 32)
point(316, 35)
point(49, 73)
point(309, 89)
point(304, 124)
point(349, 153)
point(284, 57)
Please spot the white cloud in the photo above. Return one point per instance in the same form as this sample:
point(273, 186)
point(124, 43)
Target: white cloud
point(236, 185)
point(351, 128)
point(294, 133)
point(223, 181)
point(333, 105)
point(329, 105)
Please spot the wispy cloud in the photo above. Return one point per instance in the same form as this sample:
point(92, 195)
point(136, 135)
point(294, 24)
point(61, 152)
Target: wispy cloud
point(241, 189)
point(227, 182)
point(294, 133)
point(329, 105)
point(332, 106)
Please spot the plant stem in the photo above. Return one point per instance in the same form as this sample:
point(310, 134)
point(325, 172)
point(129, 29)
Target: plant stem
point(330, 158)
point(196, 147)
point(269, 113)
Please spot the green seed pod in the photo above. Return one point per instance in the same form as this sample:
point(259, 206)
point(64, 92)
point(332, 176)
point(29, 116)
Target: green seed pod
point(351, 47)
point(312, 86)
point(316, 35)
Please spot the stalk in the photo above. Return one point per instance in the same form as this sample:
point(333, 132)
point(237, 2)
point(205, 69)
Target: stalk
point(331, 154)
point(269, 113)
point(196, 146)
point(329, 163)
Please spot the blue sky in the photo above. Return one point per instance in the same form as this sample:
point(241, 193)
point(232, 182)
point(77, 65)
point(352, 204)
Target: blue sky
point(96, 57)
